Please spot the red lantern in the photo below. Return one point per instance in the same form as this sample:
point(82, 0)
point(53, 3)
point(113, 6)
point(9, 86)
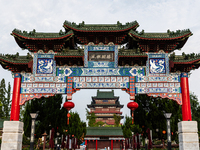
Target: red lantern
point(68, 106)
point(132, 105)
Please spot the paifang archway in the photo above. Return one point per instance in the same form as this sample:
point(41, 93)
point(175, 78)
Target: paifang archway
point(100, 56)
point(48, 79)
point(114, 56)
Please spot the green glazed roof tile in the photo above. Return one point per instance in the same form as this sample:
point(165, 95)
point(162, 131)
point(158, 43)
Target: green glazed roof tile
point(160, 36)
point(104, 131)
point(181, 59)
point(13, 59)
point(100, 27)
point(41, 35)
point(105, 94)
point(70, 53)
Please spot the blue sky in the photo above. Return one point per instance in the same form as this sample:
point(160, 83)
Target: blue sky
point(49, 16)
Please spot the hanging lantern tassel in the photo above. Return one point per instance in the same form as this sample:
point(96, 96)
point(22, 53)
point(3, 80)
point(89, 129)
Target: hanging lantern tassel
point(68, 106)
point(132, 117)
point(68, 115)
point(132, 106)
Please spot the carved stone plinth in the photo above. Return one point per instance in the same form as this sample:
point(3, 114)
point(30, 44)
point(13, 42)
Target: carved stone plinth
point(12, 135)
point(188, 136)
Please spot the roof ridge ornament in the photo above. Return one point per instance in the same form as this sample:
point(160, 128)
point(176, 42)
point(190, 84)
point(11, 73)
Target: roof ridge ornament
point(51, 52)
point(119, 24)
point(178, 32)
point(100, 44)
point(91, 44)
point(40, 51)
point(61, 32)
point(111, 44)
point(161, 52)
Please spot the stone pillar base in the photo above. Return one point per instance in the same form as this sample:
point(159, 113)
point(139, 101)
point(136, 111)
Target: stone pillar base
point(188, 136)
point(12, 135)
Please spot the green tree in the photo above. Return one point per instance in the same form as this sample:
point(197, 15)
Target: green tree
point(1, 110)
point(117, 119)
point(150, 114)
point(5, 100)
point(2, 97)
point(99, 124)
point(195, 109)
point(7, 103)
point(128, 127)
point(51, 115)
point(76, 127)
point(27, 118)
point(91, 118)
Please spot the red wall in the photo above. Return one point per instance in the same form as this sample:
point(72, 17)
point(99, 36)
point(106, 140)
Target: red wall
point(101, 144)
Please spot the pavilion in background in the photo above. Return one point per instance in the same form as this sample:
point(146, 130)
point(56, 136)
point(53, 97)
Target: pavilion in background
point(105, 105)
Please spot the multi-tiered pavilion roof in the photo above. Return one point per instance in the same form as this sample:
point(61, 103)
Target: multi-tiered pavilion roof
point(68, 45)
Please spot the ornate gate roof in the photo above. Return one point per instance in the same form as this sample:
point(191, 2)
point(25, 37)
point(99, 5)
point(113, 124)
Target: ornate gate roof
point(69, 44)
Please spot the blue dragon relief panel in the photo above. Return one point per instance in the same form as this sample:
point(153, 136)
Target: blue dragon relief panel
point(157, 64)
point(45, 66)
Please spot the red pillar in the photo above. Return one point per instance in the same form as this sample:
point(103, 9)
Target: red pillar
point(186, 109)
point(15, 108)
point(111, 145)
point(96, 144)
point(122, 144)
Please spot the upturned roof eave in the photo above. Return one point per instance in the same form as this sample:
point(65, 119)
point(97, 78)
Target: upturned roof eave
point(25, 37)
point(123, 30)
point(186, 61)
point(110, 98)
point(94, 105)
point(79, 29)
point(108, 111)
point(14, 62)
point(160, 38)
